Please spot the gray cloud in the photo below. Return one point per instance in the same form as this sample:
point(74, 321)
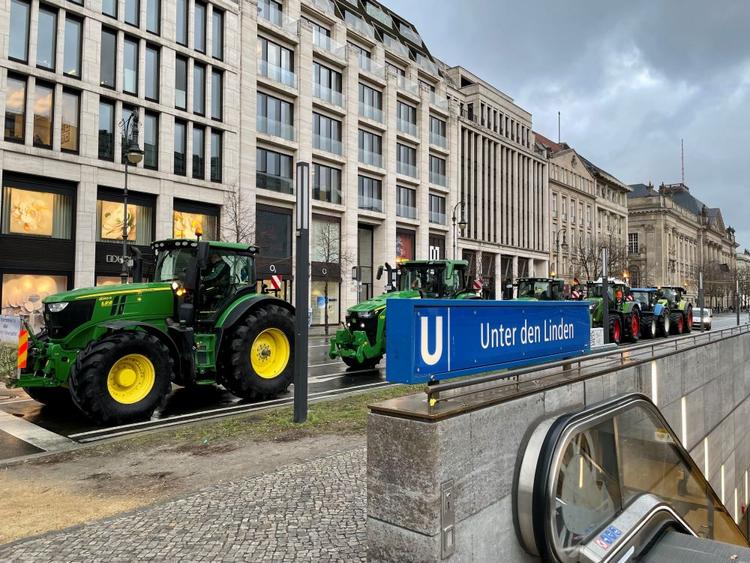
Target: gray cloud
point(630, 78)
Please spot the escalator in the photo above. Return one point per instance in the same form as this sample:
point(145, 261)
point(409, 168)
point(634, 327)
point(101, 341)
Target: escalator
point(613, 483)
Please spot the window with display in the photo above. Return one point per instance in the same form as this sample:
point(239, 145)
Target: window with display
point(189, 218)
point(404, 245)
point(110, 220)
point(37, 213)
point(23, 294)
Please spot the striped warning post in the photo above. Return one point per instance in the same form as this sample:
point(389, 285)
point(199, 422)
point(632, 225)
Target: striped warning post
point(23, 349)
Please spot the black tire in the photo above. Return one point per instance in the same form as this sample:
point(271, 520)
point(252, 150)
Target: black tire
point(53, 397)
point(688, 320)
point(678, 324)
point(238, 375)
point(88, 378)
point(665, 325)
point(634, 326)
point(615, 336)
point(369, 363)
point(651, 328)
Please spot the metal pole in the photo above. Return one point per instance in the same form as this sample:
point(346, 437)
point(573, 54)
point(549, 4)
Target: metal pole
point(737, 295)
point(302, 292)
point(454, 233)
point(124, 271)
point(700, 297)
point(605, 297)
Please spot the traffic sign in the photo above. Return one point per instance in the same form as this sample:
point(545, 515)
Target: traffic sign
point(276, 282)
point(431, 339)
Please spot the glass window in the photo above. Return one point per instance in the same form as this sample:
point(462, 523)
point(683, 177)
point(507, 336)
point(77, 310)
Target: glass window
point(217, 38)
point(406, 160)
point(182, 19)
point(23, 295)
point(437, 209)
point(199, 151)
point(216, 156)
point(133, 12)
point(270, 10)
point(199, 18)
point(199, 89)
point(326, 133)
point(180, 83)
point(153, 15)
point(46, 44)
point(70, 116)
point(37, 213)
point(152, 73)
point(275, 116)
point(151, 141)
point(370, 193)
point(19, 30)
point(276, 62)
point(180, 148)
point(127, 113)
point(106, 130)
point(44, 101)
point(108, 63)
point(437, 171)
point(327, 84)
point(326, 183)
point(72, 59)
point(407, 119)
point(217, 95)
point(274, 171)
point(130, 67)
point(406, 202)
point(405, 245)
point(15, 110)
point(438, 129)
point(370, 148)
point(110, 215)
point(187, 222)
point(325, 295)
point(370, 103)
point(109, 8)
point(274, 233)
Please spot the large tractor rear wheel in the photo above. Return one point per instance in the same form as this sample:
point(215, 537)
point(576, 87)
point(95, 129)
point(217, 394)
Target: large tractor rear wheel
point(665, 324)
point(635, 325)
point(121, 378)
point(260, 361)
point(688, 320)
point(53, 397)
point(615, 331)
point(369, 363)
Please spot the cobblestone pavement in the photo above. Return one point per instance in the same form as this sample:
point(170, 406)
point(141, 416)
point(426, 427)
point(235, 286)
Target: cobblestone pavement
point(314, 511)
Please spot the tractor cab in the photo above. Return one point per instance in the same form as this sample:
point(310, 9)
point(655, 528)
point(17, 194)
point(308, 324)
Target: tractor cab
point(540, 289)
point(671, 294)
point(436, 279)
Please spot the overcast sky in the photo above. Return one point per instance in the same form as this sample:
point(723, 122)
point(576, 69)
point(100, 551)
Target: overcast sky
point(630, 78)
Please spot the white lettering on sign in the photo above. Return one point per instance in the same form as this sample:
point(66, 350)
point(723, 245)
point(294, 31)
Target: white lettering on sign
point(431, 358)
point(502, 336)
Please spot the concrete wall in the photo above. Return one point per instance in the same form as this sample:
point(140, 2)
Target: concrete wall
point(408, 459)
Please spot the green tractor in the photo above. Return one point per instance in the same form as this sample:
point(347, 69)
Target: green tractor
point(673, 298)
point(624, 312)
point(116, 350)
point(361, 343)
point(655, 317)
point(540, 289)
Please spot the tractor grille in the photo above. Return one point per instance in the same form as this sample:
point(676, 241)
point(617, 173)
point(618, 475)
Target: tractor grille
point(353, 322)
point(60, 325)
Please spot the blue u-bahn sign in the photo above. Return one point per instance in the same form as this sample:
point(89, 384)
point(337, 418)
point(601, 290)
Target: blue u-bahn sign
point(431, 339)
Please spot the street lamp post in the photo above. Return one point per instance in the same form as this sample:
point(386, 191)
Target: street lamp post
point(133, 155)
point(558, 257)
point(462, 223)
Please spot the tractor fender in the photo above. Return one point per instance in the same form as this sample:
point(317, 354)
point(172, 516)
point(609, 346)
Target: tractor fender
point(236, 311)
point(166, 339)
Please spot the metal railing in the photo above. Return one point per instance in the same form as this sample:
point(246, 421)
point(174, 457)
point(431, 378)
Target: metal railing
point(328, 95)
point(327, 144)
point(277, 73)
point(369, 111)
point(327, 44)
point(505, 385)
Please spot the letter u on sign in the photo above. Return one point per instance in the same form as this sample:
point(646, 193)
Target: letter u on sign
point(431, 358)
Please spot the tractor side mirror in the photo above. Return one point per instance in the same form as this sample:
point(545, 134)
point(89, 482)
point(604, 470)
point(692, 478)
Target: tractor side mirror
point(202, 255)
point(380, 273)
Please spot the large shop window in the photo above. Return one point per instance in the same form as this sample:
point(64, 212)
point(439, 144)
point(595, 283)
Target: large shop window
point(110, 213)
point(274, 239)
point(23, 294)
point(404, 245)
point(37, 213)
point(189, 217)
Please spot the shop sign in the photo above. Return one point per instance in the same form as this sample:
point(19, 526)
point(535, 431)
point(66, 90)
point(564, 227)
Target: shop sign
point(10, 329)
point(113, 259)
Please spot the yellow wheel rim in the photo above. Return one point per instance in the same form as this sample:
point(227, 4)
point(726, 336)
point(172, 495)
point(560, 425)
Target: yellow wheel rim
point(131, 379)
point(269, 354)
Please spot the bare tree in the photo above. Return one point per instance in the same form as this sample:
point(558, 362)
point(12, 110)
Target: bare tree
point(327, 250)
point(718, 282)
point(587, 256)
point(239, 218)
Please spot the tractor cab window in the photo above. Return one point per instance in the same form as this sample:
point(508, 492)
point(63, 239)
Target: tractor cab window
point(598, 291)
point(669, 294)
point(426, 280)
point(174, 264)
point(643, 299)
point(225, 274)
point(454, 282)
point(533, 290)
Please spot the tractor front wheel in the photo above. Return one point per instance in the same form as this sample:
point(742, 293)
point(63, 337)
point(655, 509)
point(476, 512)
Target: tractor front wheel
point(53, 397)
point(689, 320)
point(368, 364)
point(259, 363)
point(121, 378)
point(615, 331)
point(635, 326)
point(665, 325)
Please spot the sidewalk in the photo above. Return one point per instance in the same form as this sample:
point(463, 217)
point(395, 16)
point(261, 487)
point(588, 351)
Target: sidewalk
point(313, 511)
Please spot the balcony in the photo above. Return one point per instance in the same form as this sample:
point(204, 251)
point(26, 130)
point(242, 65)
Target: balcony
point(327, 44)
point(371, 112)
point(359, 25)
point(407, 127)
point(277, 73)
point(372, 67)
point(379, 15)
point(439, 101)
point(270, 13)
point(327, 144)
point(370, 158)
point(407, 85)
point(328, 95)
point(275, 127)
point(325, 6)
point(395, 46)
point(427, 65)
point(438, 140)
point(410, 34)
point(438, 218)
point(438, 179)
point(406, 169)
point(370, 203)
point(329, 194)
point(274, 183)
point(406, 211)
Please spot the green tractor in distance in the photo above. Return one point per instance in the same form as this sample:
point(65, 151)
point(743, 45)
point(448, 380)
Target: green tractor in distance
point(540, 289)
point(673, 297)
point(361, 343)
point(624, 312)
point(116, 350)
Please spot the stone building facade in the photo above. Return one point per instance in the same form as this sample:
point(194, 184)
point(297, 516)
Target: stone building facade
point(673, 237)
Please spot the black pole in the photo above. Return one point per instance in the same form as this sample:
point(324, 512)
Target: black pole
point(124, 271)
point(605, 297)
point(701, 298)
point(302, 292)
point(737, 294)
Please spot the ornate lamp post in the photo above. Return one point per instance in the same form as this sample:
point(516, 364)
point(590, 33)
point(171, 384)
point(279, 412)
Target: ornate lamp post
point(462, 224)
point(133, 154)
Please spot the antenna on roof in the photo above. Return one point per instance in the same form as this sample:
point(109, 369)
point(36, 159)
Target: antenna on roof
point(682, 151)
point(558, 127)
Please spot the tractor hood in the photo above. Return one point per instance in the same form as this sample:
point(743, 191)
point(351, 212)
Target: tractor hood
point(377, 303)
point(107, 290)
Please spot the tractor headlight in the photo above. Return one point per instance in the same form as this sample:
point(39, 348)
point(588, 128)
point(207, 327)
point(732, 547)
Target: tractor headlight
point(178, 289)
point(366, 315)
point(57, 307)
point(592, 307)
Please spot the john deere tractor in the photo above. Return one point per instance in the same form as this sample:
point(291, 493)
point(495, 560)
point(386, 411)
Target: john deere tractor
point(624, 312)
point(116, 350)
point(673, 297)
point(540, 289)
point(361, 343)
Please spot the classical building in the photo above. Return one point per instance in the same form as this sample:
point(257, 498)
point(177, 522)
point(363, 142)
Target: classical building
point(673, 237)
point(502, 185)
point(588, 211)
